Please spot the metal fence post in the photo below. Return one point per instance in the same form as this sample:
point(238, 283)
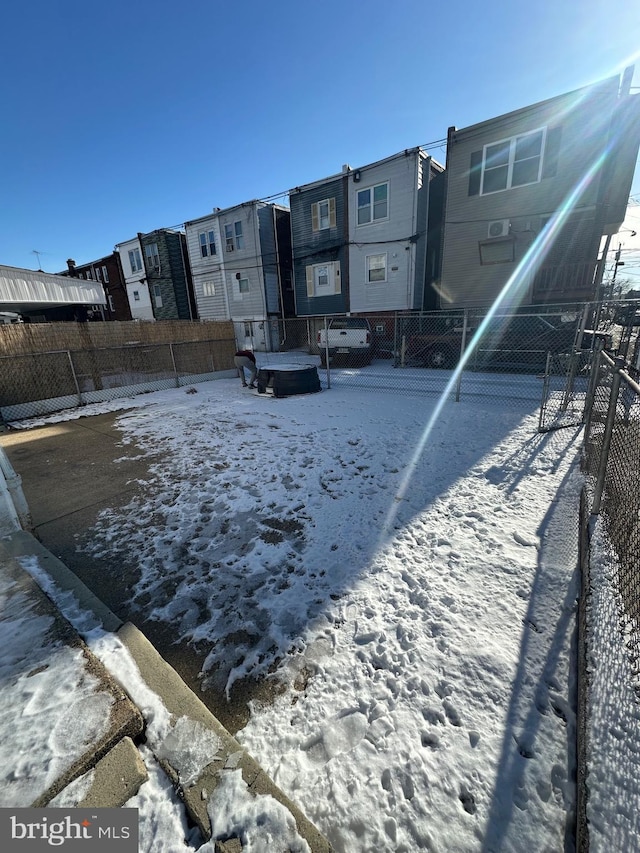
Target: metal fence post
point(463, 346)
point(590, 399)
point(606, 440)
point(173, 362)
point(75, 378)
point(326, 352)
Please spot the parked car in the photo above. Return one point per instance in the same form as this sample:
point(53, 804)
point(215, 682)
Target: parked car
point(347, 339)
point(513, 343)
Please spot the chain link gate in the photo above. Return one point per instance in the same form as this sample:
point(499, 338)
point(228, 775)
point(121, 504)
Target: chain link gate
point(565, 389)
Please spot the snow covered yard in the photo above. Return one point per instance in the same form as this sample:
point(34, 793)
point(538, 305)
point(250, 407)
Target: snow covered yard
point(418, 606)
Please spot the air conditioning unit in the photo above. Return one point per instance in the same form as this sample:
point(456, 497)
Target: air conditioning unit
point(499, 228)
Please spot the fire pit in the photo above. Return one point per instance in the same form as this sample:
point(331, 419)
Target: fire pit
point(285, 380)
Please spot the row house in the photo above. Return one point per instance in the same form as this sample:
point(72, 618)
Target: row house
point(241, 264)
point(157, 276)
point(366, 240)
point(108, 272)
point(508, 177)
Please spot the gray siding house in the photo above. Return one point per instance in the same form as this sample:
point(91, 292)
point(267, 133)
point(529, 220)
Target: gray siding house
point(241, 263)
point(508, 177)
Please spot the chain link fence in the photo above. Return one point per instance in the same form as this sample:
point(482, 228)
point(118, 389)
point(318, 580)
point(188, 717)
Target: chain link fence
point(499, 355)
point(612, 466)
point(40, 383)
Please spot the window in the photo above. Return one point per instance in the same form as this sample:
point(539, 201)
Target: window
point(157, 295)
point(136, 296)
point(240, 286)
point(323, 214)
point(207, 244)
point(98, 274)
point(208, 288)
point(513, 162)
point(233, 236)
point(323, 279)
point(500, 251)
point(152, 256)
point(135, 261)
point(377, 267)
point(373, 204)
point(89, 275)
point(105, 275)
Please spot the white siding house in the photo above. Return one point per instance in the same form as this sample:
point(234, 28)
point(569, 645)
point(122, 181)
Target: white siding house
point(233, 257)
point(135, 279)
point(388, 207)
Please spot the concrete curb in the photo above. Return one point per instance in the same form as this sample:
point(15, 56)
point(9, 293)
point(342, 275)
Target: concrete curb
point(119, 774)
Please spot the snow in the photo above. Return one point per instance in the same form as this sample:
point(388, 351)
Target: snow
point(414, 590)
point(614, 715)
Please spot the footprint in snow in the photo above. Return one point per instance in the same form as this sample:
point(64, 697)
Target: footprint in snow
point(526, 541)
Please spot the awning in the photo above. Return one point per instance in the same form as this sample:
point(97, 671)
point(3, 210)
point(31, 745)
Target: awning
point(26, 290)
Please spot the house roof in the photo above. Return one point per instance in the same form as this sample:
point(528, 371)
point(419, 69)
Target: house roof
point(608, 87)
point(26, 290)
point(350, 170)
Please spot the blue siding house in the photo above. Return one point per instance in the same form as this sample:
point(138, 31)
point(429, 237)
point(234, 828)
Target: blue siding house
point(319, 232)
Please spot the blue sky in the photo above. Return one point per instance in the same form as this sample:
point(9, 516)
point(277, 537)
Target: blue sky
point(129, 116)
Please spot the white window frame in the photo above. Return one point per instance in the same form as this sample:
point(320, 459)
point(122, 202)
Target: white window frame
point(136, 296)
point(233, 236)
point(320, 222)
point(105, 275)
point(333, 284)
point(207, 243)
point(371, 268)
point(243, 285)
point(208, 288)
point(135, 260)
point(512, 141)
point(157, 295)
point(152, 256)
point(370, 206)
point(98, 274)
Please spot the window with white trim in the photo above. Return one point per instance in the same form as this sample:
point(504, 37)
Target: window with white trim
point(89, 276)
point(323, 279)
point(373, 204)
point(136, 296)
point(157, 295)
point(208, 288)
point(207, 244)
point(98, 274)
point(105, 275)
point(233, 237)
point(243, 285)
point(376, 267)
point(513, 162)
point(323, 214)
point(152, 256)
point(135, 260)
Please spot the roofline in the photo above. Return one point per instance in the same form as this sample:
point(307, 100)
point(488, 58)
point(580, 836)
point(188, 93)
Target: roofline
point(405, 153)
point(538, 105)
point(224, 210)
